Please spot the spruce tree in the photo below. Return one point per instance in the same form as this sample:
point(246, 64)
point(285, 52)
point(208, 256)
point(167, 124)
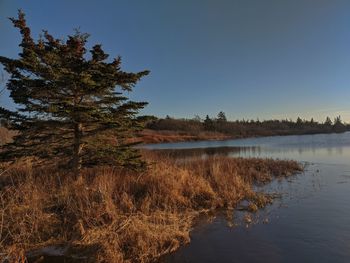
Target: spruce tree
point(338, 124)
point(221, 117)
point(208, 123)
point(299, 122)
point(71, 106)
point(328, 121)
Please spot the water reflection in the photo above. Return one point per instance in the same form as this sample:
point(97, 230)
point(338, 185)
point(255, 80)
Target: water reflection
point(321, 148)
point(304, 141)
point(212, 151)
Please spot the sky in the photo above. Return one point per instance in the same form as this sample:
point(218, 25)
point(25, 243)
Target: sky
point(271, 59)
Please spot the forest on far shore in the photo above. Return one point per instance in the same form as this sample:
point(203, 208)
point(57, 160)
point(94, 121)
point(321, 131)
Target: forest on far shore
point(247, 128)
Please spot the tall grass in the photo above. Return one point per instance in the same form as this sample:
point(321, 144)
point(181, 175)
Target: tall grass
point(121, 216)
point(163, 136)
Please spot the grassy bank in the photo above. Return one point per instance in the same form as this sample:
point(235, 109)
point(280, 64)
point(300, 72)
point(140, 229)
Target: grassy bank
point(122, 216)
point(168, 136)
point(163, 136)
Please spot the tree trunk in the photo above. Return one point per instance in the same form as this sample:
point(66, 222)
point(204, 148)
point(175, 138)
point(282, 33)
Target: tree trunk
point(78, 146)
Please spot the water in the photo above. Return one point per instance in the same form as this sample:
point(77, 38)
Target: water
point(310, 223)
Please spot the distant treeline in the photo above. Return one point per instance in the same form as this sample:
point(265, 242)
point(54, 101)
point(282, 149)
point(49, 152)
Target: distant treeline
point(248, 128)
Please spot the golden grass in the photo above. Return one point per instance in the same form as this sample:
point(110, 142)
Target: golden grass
point(164, 136)
point(122, 216)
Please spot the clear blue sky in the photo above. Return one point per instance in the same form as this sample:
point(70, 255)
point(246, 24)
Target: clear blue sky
point(249, 58)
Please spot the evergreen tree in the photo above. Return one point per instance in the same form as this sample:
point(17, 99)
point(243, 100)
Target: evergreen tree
point(328, 121)
point(221, 117)
point(338, 124)
point(299, 121)
point(338, 121)
point(208, 123)
point(71, 106)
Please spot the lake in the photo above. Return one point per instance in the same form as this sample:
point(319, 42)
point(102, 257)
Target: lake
point(309, 223)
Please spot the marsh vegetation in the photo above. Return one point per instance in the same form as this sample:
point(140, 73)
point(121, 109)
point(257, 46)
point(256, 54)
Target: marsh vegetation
point(116, 215)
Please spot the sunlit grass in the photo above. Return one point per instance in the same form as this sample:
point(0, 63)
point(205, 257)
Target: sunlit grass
point(121, 216)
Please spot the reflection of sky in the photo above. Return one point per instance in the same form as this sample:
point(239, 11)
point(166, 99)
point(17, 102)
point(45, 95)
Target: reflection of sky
point(320, 148)
point(329, 155)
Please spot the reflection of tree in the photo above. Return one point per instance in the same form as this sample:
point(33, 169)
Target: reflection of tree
point(210, 151)
point(330, 150)
point(339, 150)
point(295, 147)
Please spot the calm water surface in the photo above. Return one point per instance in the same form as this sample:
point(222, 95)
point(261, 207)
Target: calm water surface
point(309, 223)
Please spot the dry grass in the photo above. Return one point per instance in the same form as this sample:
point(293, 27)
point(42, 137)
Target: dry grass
point(121, 216)
point(153, 136)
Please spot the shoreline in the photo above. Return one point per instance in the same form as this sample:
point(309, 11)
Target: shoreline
point(121, 216)
point(173, 137)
